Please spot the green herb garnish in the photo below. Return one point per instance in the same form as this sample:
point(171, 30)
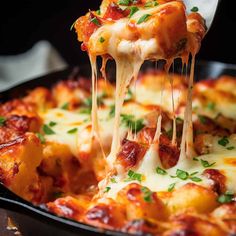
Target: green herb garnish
point(65, 106)
point(223, 141)
point(211, 106)
point(151, 4)
point(171, 187)
point(194, 9)
point(57, 194)
point(202, 119)
point(112, 111)
point(47, 130)
point(113, 180)
point(195, 179)
point(85, 110)
point(161, 171)
point(107, 189)
point(129, 121)
point(88, 102)
point(72, 131)
point(148, 4)
point(143, 18)
point(230, 148)
point(134, 176)
point(124, 2)
point(226, 197)
point(52, 123)
point(179, 120)
point(101, 40)
point(95, 21)
point(147, 194)
point(206, 164)
point(133, 10)
point(182, 174)
point(98, 12)
point(41, 138)
point(2, 120)
point(129, 96)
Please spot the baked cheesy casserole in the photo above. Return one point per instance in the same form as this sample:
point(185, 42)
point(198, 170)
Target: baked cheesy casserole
point(48, 156)
point(153, 154)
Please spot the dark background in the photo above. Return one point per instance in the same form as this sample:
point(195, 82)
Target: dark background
point(22, 23)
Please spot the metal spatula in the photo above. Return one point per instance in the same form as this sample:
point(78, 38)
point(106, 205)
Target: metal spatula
point(207, 8)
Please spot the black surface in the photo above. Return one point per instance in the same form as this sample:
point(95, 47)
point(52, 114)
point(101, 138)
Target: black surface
point(33, 220)
point(22, 23)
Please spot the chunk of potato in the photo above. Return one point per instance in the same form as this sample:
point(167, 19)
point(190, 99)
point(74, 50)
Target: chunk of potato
point(18, 162)
point(192, 197)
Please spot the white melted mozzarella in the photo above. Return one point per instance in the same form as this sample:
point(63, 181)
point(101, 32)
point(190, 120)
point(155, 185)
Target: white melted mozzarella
point(221, 159)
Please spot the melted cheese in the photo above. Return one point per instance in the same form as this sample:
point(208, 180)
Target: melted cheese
point(225, 162)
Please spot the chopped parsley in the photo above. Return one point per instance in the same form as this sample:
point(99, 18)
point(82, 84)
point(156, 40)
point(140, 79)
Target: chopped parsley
point(129, 96)
point(41, 138)
point(124, 2)
point(147, 194)
point(143, 18)
point(65, 106)
point(161, 171)
point(47, 130)
point(179, 120)
point(230, 148)
point(85, 110)
point(226, 197)
point(195, 179)
point(112, 111)
point(133, 10)
point(151, 4)
point(57, 194)
point(171, 187)
point(52, 123)
point(206, 164)
point(72, 131)
point(2, 120)
point(211, 106)
point(134, 176)
point(95, 21)
point(223, 141)
point(107, 189)
point(132, 123)
point(202, 119)
point(184, 175)
point(98, 12)
point(88, 102)
point(113, 180)
point(195, 159)
point(148, 4)
point(101, 40)
point(194, 9)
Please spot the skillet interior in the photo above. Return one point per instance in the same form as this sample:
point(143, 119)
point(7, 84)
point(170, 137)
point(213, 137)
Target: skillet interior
point(35, 221)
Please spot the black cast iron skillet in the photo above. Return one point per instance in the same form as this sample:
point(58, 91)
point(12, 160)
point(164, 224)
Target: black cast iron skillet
point(37, 221)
